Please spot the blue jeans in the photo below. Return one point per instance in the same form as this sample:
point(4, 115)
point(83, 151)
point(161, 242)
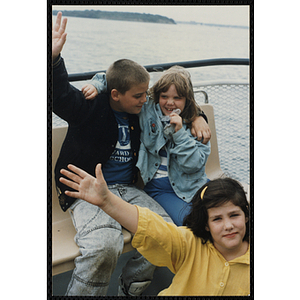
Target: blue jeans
point(162, 192)
point(100, 241)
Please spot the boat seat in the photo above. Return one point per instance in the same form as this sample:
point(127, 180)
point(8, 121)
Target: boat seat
point(64, 248)
point(213, 169)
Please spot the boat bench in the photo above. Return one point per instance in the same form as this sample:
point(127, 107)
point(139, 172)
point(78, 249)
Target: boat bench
point(64, 248)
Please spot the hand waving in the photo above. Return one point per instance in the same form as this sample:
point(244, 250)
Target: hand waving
point(95, 191)
point(91, 189)
point(58, 35)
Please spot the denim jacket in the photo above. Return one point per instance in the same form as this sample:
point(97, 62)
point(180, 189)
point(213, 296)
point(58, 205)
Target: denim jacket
point(185, 155)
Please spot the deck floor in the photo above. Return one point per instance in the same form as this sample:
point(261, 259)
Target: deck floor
point(162, 279)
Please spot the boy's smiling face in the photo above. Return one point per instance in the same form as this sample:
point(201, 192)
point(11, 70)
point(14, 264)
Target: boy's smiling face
point(132, 101)
point(227, 225)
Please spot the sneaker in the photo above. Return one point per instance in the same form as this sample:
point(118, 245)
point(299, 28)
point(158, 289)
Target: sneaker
point(136, 289)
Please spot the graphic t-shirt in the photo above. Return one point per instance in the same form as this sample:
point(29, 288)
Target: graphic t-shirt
point(118, 169)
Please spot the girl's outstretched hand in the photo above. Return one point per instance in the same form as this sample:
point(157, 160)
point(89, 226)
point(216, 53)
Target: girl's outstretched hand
point(91, 189)
point(95, 191)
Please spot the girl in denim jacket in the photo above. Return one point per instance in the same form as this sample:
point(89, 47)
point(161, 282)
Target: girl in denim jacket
point(171, 160)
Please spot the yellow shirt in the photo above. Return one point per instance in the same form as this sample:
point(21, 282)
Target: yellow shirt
point(200, 270)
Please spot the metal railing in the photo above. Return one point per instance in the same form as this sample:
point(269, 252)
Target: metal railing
point(231, 102)
point(162, 67)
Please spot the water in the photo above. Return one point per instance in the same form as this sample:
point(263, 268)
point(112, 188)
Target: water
point(92, 45)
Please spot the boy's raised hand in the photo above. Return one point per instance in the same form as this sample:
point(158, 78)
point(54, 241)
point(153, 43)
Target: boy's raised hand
point(59, 35)
point(91, 189)
point(89, 91)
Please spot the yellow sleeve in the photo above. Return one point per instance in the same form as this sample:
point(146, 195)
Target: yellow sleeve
point(161, 243)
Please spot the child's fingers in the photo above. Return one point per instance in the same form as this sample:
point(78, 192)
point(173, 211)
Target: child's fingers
point(72, 194)
point(63, 25)
point(206, 137)
point(70, 175)
point(89, 91)
point(77, 171)
point(98, 172)
point(175, 119)
point(85, 94)
point(89, 96)
point(69, 183)
point(193, 132)
point(199, 136)
point(84, 89)
point(58, 21)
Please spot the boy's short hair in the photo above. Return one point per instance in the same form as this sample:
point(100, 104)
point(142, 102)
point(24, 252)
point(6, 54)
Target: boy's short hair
point(123, 74)
point(218, 192)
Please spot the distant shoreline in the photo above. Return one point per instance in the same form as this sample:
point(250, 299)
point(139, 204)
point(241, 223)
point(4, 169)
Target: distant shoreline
point(117, 16)
point(135, 17)
point(211, 24)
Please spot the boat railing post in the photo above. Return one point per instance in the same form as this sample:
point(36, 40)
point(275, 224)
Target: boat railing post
point(205, 95)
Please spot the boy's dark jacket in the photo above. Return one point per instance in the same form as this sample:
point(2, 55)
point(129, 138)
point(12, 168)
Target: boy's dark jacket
point(92, 133)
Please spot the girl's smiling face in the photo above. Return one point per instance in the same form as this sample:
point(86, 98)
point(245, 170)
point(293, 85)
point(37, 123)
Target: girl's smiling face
point(227, 225)
point(169, 100)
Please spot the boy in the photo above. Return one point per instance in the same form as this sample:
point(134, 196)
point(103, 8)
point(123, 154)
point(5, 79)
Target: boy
point(102, 131)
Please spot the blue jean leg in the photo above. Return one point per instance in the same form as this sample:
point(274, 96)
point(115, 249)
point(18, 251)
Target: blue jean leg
point(176, 208)
point(100, 241)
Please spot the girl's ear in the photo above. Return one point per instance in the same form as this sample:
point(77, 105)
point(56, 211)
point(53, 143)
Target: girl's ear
point(206, 228)
point(114, 94)
point(246, 219)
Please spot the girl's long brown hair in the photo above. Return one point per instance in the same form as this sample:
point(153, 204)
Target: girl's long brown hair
point(182, 80)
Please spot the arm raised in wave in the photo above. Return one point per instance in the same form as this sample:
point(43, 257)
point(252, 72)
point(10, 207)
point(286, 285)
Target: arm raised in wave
point(95, 191)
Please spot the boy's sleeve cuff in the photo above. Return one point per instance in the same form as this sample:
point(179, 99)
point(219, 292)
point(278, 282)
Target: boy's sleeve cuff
point(202, 114)
point(56, 61)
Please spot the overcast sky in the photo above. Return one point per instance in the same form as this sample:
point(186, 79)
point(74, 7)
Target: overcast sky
point(217, 14)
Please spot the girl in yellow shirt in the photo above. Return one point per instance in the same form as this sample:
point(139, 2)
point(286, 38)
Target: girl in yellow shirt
point(209, 255)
